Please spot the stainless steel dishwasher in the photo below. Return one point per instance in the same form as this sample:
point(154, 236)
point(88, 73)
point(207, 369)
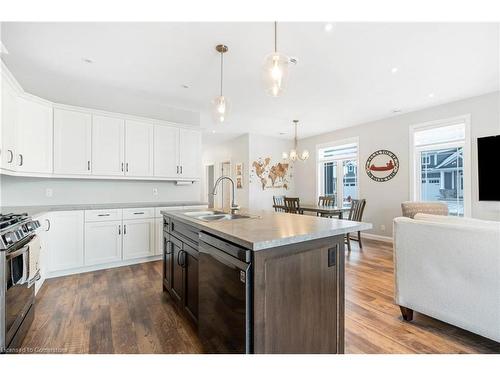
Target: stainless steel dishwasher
point(225, 296)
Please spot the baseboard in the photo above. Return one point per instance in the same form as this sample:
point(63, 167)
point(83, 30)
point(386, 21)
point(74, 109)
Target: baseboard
point(376, 237)
point(98, 267)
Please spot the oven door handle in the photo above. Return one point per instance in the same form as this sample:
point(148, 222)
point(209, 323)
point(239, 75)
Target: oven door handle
point(222, 257)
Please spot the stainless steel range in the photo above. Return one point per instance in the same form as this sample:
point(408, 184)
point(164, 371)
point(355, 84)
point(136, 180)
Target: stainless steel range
point(18, 273)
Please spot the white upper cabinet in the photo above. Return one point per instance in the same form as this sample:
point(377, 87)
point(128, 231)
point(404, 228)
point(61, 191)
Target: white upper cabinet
point(138, 149)
point(8, 130)
point(72, 142)
point(166, 151)
point(189, 153)
point(108, 146)
point(34, 136)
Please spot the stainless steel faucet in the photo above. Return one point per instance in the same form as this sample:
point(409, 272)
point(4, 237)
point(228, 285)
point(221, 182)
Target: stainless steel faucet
point(234, 207)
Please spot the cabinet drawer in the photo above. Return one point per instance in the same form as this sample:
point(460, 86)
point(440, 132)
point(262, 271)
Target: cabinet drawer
point(138, 213)
point(103, 215)
point(184, 232)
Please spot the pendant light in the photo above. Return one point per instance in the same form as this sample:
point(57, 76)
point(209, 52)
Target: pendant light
point(275, 70)
point(293, 155)
point(221, 103)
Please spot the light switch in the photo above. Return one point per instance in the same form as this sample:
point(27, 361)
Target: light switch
point(48, 192)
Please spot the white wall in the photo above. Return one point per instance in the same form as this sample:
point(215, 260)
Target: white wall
point(263, 147)
point(27, 191)
point(246, 149)
point(384, 198)
point(235, 151)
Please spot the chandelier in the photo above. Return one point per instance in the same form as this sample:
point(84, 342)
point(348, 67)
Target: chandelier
point(294, 154)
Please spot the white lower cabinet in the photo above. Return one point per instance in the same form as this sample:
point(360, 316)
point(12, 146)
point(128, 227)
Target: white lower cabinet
point(138, 238)
point(158, 235)
point(42, 233)
point(65, 239)
point(78, 241)
point(103, 242)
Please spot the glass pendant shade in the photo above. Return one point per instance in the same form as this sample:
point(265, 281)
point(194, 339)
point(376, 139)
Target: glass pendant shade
point(220, 109)
point(293, 154)
point(275, 73)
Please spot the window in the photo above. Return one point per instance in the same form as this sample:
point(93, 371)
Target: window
point(440, 154)
point(338, 171)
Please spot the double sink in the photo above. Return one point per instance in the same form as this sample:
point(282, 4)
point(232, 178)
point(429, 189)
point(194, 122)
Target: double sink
point(209, 216)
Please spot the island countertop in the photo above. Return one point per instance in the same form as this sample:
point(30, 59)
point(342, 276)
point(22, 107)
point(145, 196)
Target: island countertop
point(267, 229)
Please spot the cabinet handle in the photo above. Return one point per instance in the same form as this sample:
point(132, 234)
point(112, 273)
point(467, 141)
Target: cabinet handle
point(119, 230)
point(138, 213)
point(181, 169)
point(124, 228)
point(178, 256)
point(21, 159)
point(184, 259)
point(103, 214)
point(126, 167)
point(122, 167)
point(167, 247)
point(11, 156)
point(88, 165)
point(48, 225)
point(177, 169)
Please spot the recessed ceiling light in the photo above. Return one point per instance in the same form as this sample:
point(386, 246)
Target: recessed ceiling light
point(185, 86)
point(328, 27)
point(87, 60)
point(431, 95)
point(396, 110)
point(282, 133)
point(394, 70)
point(213, 131)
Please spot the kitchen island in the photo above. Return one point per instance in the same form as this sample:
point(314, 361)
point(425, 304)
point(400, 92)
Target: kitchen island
point(259, 281)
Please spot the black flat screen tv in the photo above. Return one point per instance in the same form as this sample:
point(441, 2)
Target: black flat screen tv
point(488, 158)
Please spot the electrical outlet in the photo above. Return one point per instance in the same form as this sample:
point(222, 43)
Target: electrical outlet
point(48, 192)
point(155, 191)
point(382, 228)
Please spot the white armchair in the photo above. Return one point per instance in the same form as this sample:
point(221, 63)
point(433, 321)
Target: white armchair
point(449, 268)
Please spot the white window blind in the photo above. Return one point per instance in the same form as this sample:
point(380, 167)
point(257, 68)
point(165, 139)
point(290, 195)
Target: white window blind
point(442, 134)
point(344, 151)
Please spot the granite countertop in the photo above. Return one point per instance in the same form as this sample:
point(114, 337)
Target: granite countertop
point(37, 210)
point(268, 229)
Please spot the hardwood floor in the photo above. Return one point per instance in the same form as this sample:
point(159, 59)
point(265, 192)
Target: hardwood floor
point(123, 310)
point(119, 310)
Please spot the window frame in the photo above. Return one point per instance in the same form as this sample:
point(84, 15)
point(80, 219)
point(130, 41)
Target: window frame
point(320, 162)
point(415, 167)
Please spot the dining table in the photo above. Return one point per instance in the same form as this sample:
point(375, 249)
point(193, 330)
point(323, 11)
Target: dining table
point(322, 210)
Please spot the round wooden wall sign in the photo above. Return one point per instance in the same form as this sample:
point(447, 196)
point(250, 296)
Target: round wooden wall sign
point(382, 165)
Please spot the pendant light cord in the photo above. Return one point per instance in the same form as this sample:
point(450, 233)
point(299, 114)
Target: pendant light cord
point(221, 71)
point(296, 142)
point(275, 36)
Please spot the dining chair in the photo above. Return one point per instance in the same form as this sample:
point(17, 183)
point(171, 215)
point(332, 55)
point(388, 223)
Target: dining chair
point(356, 214)
point(279, 203)
point(293, 205)
point(325, 201)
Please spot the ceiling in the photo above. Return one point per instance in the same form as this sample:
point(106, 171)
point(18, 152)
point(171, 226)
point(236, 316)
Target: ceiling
point(343, 77)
